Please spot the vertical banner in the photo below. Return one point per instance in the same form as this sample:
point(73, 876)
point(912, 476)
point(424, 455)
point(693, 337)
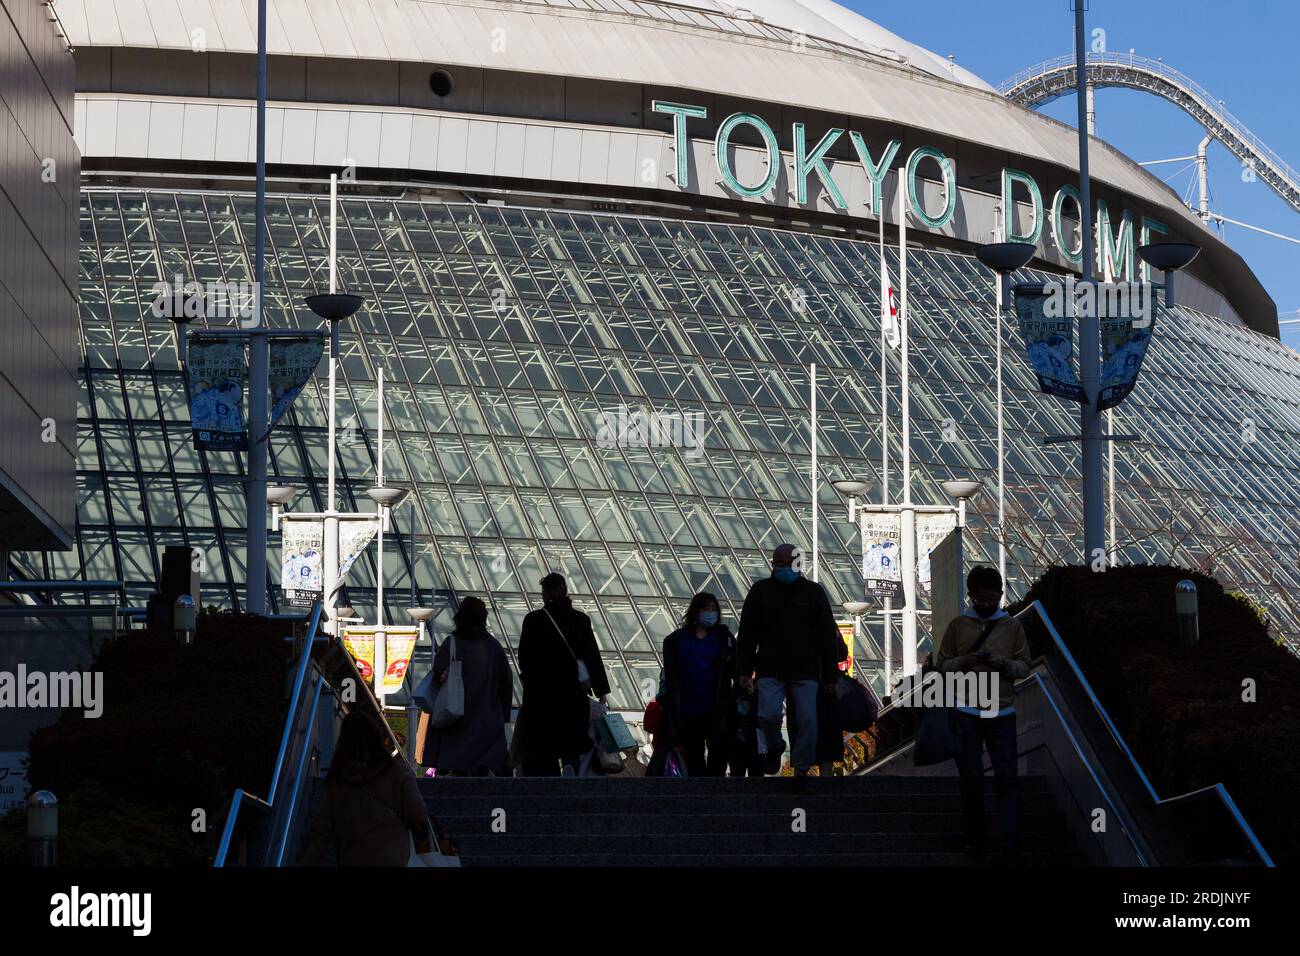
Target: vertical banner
point(216, 368)
point(946, 585)
point(1123, 347)
point(354, 536)
point(399, 644)
point(930, 530)
point(1049, 342)
point(360, 643)
point(882, 569)
point(292, 362)
point(301, 579)
point(846, 630)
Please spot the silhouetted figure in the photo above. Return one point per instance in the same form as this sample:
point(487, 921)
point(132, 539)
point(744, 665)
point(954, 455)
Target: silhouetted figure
point(1004, 656)
point(555, 716)
point(476, 743)
point(789, 640)
point(372, 810)
point(699, 661)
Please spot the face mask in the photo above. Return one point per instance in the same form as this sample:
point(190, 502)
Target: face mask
point(708, 618)
point(786, 574)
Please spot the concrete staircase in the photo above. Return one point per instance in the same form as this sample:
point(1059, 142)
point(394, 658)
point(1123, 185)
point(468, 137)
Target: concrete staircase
point(869, 820)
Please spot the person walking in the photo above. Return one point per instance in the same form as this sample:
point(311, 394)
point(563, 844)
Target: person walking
point(789, 640)
point(699, 660)
point(475, 745)
point(560, 668)
point(372, 810)
point(987, 641)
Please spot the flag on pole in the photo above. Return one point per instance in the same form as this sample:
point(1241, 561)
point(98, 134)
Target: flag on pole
point(888, 306)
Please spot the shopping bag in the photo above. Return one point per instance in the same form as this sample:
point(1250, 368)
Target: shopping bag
point(936, 739)
point(854, 705)
point(613, 734)
point(449, 702)
point(424, 694)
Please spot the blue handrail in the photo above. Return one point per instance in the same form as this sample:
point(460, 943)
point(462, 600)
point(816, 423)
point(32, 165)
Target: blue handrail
point(1156, 799)
point(241, 796)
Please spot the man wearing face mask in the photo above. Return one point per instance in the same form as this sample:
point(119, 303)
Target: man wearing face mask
point(989, 642)
point(789, 640)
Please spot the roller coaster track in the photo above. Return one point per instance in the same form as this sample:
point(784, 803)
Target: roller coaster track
point(1051, 79)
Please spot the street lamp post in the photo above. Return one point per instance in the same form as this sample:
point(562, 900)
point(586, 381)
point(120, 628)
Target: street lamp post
point(1003, 258)
point(258, 362)
point(1094, 514)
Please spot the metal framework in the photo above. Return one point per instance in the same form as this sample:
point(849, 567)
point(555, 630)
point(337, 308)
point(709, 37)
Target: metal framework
point(1046, 81)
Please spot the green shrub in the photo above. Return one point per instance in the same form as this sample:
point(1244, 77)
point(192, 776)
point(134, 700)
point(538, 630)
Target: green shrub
point(182, 727)
point(1182, 709)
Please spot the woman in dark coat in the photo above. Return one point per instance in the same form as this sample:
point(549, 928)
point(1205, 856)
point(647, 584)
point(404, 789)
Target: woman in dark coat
point(475, 745)
point(555, 716)
point(696, 694)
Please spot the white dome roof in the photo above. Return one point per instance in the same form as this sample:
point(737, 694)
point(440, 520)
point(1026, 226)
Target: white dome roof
point(830, 21)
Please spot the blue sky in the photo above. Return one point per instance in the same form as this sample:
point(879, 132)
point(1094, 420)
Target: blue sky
point(1240, 51)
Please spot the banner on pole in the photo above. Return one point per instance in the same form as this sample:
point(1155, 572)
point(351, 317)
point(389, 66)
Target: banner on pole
point(301, 577)
point(930, 530)
point(1049, 344)
point(882, 570)
point(847, 630)
point(216, 368)
point(1123, 347)
point(291, 363)
point(399, 644)
point(946, 585)
point(354, 537)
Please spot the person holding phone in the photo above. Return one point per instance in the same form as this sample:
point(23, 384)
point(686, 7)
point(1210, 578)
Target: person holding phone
point(987, 641)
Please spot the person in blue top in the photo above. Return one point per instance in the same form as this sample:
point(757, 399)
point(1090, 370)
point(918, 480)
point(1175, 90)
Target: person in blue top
point(696, 691)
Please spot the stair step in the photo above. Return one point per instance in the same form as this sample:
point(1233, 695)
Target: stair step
point(606, 860)
point(708, 844)
point(850, 823)
point(728, 803)
point(698, 786)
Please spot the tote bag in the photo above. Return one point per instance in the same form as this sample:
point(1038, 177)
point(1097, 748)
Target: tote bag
point(449, 702)
point(936, 738)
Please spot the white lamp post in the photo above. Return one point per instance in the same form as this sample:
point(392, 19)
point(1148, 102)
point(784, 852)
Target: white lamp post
point(1003, 258)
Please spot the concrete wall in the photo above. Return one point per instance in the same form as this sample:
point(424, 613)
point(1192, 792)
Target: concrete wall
point(40, 170)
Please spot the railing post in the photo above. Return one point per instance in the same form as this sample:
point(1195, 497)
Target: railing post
point(42, 829)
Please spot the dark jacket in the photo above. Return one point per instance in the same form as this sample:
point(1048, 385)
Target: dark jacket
point(787, 631)
point(477, 742)
point(555, 712)
point(670, 693)
point(371, 815)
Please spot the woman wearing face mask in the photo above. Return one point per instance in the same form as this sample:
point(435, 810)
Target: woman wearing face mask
point(696, 689)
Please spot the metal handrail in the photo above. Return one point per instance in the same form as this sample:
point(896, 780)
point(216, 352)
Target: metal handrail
point(240, 795)
point(1220, 790)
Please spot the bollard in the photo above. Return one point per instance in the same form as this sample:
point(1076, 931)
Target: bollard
point(42, 828)
point(183, 619)
point(1185, 607)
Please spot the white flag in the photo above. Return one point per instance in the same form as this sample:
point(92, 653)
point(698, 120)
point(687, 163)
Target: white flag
point(888, 307)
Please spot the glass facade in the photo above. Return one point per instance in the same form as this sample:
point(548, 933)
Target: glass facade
point(517, 342)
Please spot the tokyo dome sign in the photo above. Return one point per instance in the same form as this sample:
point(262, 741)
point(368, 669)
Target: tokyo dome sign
point(1116, 249)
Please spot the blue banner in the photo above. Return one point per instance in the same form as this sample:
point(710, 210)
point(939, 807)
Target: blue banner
point(216, 368)
point(1049, 342)
point(1123, 347)
point(291, 363)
